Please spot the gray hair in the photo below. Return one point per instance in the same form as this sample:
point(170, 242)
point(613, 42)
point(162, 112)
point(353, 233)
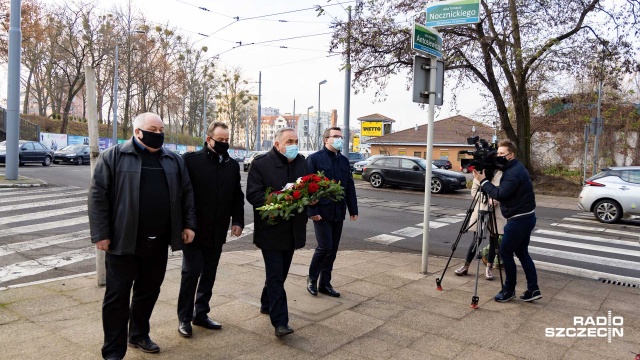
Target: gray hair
point(139, 121)
point(281, 131)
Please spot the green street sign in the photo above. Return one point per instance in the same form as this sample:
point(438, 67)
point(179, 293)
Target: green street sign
point(426, 41)
point(452, 13)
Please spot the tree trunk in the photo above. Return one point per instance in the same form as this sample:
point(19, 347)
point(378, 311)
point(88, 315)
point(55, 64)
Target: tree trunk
point(27, 91)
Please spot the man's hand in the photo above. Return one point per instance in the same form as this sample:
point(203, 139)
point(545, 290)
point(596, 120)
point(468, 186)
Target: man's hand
point(315, 217)
point(236, 230)
point(187, 236)
point(103, 244)
point(479, 175)
point(354, 217)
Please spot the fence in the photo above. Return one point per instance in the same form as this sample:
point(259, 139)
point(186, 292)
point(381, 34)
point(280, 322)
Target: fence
point(28, 130)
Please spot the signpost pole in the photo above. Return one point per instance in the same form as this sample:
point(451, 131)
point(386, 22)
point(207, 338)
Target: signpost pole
point(429, 156)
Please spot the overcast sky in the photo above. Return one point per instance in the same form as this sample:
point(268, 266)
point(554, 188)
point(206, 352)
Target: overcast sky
point(292, 73)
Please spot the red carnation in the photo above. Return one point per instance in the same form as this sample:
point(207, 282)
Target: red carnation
point(296, 195)
point(313, 187)
point(325, 178)
point(307, 177)
point(316, 178)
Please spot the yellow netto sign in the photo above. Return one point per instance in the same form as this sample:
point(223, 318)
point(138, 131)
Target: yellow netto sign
point(371, 128)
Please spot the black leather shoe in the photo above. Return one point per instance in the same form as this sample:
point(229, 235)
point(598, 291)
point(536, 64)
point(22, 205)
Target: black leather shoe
point(207, 323)
point(146, 345)
point(113, 358)
point(264, 310)
point(184, 329)
point(328, 290)
point(283, 330)
point(312, 287)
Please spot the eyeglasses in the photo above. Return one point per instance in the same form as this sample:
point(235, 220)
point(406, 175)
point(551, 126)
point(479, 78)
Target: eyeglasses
point(336, 137)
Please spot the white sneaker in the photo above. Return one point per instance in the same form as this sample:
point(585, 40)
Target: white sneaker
point(488, 273)
point(462, 270)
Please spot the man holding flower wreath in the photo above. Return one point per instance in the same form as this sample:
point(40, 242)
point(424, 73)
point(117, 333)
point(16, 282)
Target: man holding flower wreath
point(327, 215)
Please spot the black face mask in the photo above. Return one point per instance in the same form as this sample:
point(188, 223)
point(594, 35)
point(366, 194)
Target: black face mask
point(220, 147)
point(501, 161)
point(152, 139)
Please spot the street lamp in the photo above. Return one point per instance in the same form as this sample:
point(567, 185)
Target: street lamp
point(114, 135)
point(319, 127)
point(306, 127)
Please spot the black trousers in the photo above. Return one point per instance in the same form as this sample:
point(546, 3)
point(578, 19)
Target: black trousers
point(198, 263)
point(493, 240)
point(276, 264)
point(328, 235)
point(145, 274)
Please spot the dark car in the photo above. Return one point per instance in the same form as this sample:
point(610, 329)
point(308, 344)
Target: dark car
point(354, 157)
point(410, 172)
point(29, 152)
point(442, 164)
point(73, 154)
point(357, 167)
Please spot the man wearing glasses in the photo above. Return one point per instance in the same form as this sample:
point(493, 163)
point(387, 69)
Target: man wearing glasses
point(517, 204)
point(328, 216)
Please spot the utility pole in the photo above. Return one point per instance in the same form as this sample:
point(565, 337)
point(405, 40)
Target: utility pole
point(114, 136)
point(13, 93)
point(259, 120)
point(347, 89)
point(599, 122)
point(246, 131)
point(204, 116)
point(319, 138)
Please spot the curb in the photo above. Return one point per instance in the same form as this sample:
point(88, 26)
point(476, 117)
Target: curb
point(10, 184)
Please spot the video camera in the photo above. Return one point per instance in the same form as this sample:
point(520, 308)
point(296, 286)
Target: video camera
point(484, 156)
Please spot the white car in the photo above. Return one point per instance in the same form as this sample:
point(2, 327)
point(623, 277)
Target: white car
point(250, 156)
point(612, 194)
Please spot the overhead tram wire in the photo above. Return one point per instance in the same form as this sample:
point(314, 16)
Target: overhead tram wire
point(205, 9)
point(270, 41)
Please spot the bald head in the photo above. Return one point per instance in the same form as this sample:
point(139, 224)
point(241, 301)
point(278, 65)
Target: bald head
point(144, 120)
point(148, 128)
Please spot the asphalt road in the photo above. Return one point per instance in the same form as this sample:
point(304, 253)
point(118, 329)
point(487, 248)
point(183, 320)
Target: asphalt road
point(43, 232)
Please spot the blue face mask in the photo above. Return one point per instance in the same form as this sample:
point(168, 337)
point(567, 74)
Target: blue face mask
point(291, 152)
point(337, 144)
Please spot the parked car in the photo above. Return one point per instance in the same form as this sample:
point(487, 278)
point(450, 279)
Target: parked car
point(74, 154)
point(411, 171)
point(357, 167)
point(306, 153)
point(29, 152)
point(442, 164)
point(354, 157)
point(250, 156)
point(612, 194)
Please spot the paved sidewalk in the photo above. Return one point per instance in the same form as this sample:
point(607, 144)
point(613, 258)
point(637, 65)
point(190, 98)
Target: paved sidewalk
point(388, 310)
point(22, 181)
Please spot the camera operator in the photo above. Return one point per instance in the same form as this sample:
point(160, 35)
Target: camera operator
point(517, 204)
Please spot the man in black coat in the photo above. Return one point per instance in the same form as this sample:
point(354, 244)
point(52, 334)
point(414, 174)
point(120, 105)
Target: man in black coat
point(140, 201)
point(219, 199)
point(328, 216)
point(275, 169)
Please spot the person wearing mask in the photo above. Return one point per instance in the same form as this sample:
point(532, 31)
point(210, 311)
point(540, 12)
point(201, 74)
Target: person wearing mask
point(328, 216)
point(219, 200)
point(517, 204)
point(140, 202)
point(275, 169)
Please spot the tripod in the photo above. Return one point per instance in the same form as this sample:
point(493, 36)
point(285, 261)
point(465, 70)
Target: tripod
point(486, 226)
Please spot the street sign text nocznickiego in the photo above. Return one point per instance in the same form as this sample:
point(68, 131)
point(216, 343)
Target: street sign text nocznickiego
point(452, 12)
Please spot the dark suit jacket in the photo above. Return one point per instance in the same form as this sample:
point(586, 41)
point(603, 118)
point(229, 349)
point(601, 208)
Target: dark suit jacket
point(217, 193)
point(273, 170)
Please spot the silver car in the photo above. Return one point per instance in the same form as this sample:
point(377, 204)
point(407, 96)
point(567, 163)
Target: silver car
point(612, 194)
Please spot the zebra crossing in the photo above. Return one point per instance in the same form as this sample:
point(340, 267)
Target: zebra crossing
point(578, 245)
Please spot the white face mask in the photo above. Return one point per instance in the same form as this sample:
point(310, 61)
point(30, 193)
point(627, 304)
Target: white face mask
point(337, 144)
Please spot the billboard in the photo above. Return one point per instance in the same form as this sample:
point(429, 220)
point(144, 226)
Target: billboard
point(78, 140)
point(371, 128)
point(170, 147)
point(53, 141)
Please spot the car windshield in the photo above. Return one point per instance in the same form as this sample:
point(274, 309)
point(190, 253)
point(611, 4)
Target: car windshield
point(71, 148)
point(423, 164)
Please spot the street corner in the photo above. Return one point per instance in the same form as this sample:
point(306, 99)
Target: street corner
point(21, 182)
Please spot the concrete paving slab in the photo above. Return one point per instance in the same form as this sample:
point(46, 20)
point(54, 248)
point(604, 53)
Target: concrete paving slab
point(438, 346)
point(317, 340)
point(38, 307)
point(352, 323)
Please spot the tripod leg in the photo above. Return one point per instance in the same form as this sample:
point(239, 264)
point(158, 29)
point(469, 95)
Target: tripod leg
point(478, 240)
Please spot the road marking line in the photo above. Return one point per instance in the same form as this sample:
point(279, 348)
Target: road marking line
point(41, 204)
point(591, 221)
point(43, 196)
point(44, 281)
point(408, 232)
point(591, 274)
point(20, 191)
point(450, 220)
point(587, 237)
point(246, 231)
point(601, 230)
point(43, 242)
point(384, 239)
point(433, 224)
point(44, 226)
point(592, 259)
point(41, 215)
point(37, 266)
point(571, 244)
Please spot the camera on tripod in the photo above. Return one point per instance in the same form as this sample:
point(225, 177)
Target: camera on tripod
point(484, 155)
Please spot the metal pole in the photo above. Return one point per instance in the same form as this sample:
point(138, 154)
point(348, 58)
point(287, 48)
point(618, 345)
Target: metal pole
point(13, 93)
point(92, 117)
point(597, 130)
point(246, 131)
point(114, 136)
point(204, 116)
point(347, 90)
point(586, 150)
point(318, 138)
point(429, 157)
point(259, 120)
point(306, 126)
